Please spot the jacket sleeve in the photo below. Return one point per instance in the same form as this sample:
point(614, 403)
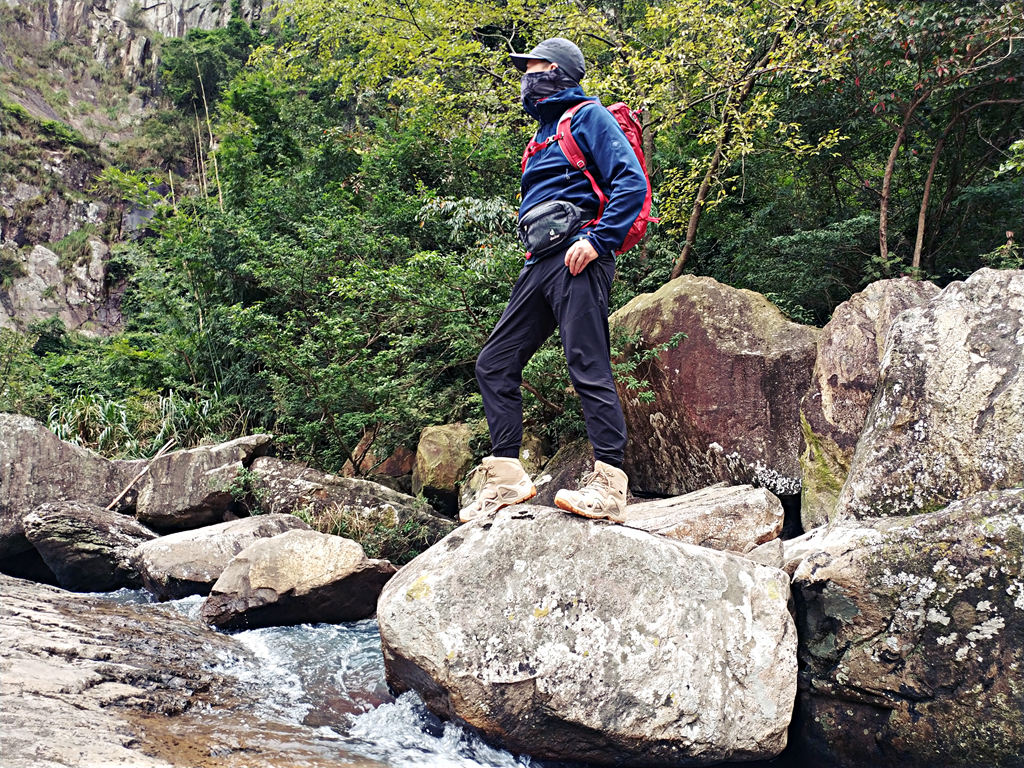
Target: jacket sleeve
point(614, 165)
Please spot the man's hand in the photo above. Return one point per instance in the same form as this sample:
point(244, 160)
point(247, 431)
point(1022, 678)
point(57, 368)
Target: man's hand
point(579, 255)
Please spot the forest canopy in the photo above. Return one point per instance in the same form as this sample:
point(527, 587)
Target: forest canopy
point(348, 239)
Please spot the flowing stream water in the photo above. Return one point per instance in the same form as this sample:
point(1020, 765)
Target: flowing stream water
point(329, 679)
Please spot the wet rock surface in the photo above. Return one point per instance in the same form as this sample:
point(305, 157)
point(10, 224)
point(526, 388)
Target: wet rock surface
point(736, 518)
point(297, 577)
point(835, 408)
point(88, 548)
point(910, 637)
point(726, 399)
point(190, 562)
point(88, 682)
point(577, 640)
point(946, 420)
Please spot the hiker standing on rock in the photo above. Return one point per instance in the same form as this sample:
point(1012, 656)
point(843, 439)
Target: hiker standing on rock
point(573, 218)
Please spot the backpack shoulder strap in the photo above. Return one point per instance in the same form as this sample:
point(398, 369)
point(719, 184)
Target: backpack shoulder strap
point(575, 156)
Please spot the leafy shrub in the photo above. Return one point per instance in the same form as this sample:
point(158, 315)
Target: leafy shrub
point(378, 533)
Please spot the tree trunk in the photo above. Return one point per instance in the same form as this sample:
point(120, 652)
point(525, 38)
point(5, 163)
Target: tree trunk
point(957, 116)
point(919, 241)
point(698, 207)
point(890, 166)
point(716, 160)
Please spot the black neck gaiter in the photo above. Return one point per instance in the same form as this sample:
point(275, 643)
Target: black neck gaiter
point(539, 85)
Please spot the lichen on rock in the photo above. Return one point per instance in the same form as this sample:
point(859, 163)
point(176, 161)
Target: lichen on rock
point(909, 637)
point(946, 420)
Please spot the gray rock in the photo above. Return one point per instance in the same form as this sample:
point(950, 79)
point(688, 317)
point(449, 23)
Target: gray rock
point(88, 683)
point(196, 487)
point(736, 518)
point(910, 628)
point(726, 399)
point(287, 487)
point(444, 455)
point(947, 419)
point(77, 296)
point(835, 408)
point(572, 639)
point(37, 467)
point(296, 577)
point(771, 553)
point(564, 470)
point(87, 547)
point(189, 562)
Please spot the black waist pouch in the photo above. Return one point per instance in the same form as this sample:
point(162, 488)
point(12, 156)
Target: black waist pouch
point(548, 227)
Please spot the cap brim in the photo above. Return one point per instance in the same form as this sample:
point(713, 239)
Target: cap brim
point(520, 60)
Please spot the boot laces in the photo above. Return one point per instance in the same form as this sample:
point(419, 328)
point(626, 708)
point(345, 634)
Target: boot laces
point(486, 474)
point(596, 481)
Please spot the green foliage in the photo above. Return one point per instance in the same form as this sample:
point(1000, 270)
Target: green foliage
point(632, 361)
point(75, 246)
point(63, 134)
point(194, 69)
point(94, 421)
point(11, 267)
point(248, 492)
point(128, 186)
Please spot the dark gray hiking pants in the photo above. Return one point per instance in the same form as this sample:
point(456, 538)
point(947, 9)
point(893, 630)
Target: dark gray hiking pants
point(544, 297)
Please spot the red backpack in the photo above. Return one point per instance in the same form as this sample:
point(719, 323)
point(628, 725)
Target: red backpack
point(629, 120)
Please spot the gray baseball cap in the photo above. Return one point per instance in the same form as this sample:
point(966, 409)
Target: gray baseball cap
point(562, 52)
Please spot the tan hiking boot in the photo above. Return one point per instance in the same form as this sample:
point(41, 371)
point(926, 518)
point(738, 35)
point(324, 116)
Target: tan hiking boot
point(505, 482)
point(602, 497)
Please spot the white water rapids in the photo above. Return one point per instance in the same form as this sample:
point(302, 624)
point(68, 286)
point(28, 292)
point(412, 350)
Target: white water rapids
point(329, 678)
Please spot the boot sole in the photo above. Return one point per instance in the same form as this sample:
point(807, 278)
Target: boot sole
point(565, 506)
point(530, 495)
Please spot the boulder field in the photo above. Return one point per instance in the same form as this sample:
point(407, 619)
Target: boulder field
point(887, 635)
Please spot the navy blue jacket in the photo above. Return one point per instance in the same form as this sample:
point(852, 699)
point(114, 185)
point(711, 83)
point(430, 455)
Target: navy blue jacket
point(549, 176)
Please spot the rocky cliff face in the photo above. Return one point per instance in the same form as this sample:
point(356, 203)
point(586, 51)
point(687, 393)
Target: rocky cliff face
point(76, 79)
point(122, 33)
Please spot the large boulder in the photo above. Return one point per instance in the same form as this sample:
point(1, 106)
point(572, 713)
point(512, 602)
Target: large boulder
point(947, 419)
point(444, 455)
point(570, 639)
point(295, 578)
point(911, 638)
point(726, 398)
point(189, 562)
point(387, 523)
point(88, 548)
point(394, 468)
point(36, 467)
point(196, 487)
point(736, 518)
point(835, 408)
